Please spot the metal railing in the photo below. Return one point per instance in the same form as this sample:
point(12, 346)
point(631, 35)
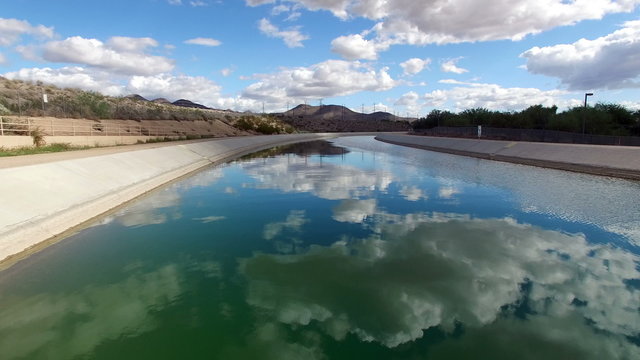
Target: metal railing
point(54, 127)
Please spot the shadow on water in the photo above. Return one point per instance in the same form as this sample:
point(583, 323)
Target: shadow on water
point(309, 148)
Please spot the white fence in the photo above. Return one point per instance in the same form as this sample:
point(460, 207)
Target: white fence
point(55, 127)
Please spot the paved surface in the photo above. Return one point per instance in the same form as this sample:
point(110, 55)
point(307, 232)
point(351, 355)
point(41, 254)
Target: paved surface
point(617, 161)
point(43, 196)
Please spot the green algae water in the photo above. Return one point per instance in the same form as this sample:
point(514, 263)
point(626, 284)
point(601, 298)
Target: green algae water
point(342, 250)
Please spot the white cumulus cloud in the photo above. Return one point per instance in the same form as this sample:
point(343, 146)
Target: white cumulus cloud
point(414, 65)
point(451, 66)
point(292, 37)
point(326, 79)
point(203, 42)
point(493, 97)
point(277, 10)
point(410, 100)
point(439, 22)
point(610, 61)
point(12, 29)
point(355, 47)
point(129, 44)
point(115, 56)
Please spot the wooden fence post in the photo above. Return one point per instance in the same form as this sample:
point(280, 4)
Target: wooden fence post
point(53, 131)
point(1, 127)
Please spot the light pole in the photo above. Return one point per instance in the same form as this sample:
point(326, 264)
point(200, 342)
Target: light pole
point(585, 98)
point(584, 112)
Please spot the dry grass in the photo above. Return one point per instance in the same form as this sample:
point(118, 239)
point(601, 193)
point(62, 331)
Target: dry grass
point(57, 147)
point(25, 99)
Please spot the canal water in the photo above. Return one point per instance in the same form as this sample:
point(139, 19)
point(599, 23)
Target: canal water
point(342, 250)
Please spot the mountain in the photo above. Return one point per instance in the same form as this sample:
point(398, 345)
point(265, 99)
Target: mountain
point(136, 97)
point(339, 118)
point(189, 104)
point(161, 101)
point(181, 102)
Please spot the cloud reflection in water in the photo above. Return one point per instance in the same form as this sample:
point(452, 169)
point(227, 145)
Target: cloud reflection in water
point(413, 276)
point(42, 325)
point(324, 180)
point(163, 205)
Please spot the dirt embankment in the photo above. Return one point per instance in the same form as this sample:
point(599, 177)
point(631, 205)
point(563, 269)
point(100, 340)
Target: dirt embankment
point(14, 125)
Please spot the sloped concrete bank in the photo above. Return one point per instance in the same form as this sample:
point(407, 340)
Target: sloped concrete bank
point(41, 201)
point(616, 161)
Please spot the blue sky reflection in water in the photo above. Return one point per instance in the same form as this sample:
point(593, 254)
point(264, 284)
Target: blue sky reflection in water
point(373, 251)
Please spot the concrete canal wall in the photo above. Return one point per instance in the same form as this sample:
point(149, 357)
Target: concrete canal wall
point(44, 196)
point(47, 197)
point(617, 161)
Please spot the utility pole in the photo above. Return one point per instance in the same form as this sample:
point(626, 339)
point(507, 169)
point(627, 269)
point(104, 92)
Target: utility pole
point(584, 112)
point(19, 103)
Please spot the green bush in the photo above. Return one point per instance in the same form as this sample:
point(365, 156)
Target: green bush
point(4, 110)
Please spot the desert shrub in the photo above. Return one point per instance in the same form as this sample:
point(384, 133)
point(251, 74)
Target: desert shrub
point(244, 124)
point(4, 110)
point(38, 137)
point(266, 128)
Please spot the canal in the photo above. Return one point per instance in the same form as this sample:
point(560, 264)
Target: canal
point(342, 249)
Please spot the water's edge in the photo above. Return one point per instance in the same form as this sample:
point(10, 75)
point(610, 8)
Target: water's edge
point(614, 161)
point(42, 203)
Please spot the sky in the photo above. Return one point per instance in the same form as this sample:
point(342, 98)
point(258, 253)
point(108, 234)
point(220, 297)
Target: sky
point(405, 57)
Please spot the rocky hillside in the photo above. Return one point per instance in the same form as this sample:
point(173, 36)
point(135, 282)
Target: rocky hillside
point(24, 99)
point(335, 118)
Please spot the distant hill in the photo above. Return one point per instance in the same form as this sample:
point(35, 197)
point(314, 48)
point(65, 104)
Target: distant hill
point(189, 104)
point(339, 118)
point(182, 102)
point(135, 97)
point(161, 101)
point(21, 98)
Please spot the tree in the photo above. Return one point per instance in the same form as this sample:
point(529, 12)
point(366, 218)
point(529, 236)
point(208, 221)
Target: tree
point(476, 116)
point(433, 119)
point(537, 116)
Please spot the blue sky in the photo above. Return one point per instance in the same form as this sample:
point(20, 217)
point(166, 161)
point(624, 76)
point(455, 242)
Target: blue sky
point(402, 56)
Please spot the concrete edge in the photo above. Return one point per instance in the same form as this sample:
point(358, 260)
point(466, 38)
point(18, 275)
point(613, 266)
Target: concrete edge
point(39, 233)
point(574, 167)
